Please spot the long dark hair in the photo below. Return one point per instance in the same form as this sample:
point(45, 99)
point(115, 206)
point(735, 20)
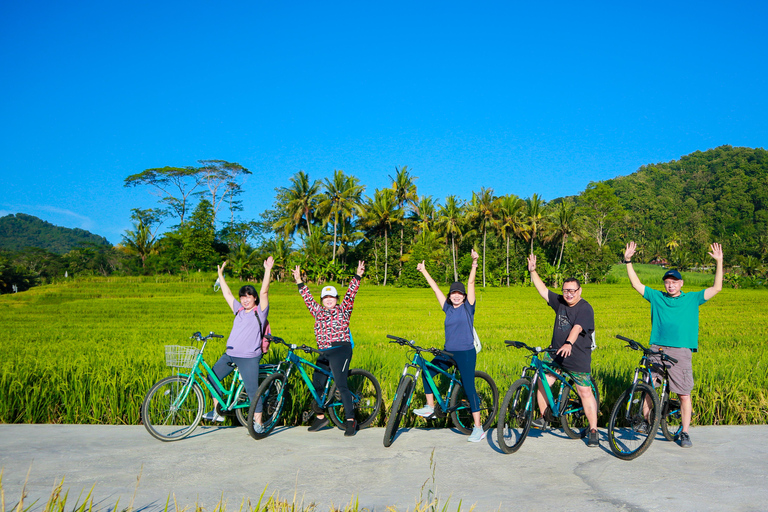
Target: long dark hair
point(249, 289)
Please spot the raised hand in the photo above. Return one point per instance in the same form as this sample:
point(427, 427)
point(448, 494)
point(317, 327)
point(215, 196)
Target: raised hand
point(269, 263)
point(421, 267)
point(297, 274)
point(220, 268)
point(531, 263)
point(360, 268)
point(475, 256)
point(629, 251)
point(716, 251)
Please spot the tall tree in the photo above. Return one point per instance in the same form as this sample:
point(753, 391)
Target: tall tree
point(601, 212)
point(142, 240)
point(563, 226)
point(198, 238)
point(425, 214)
point(484, 213)
point(340, 201)
point(450, 221)
point(174, 185)
point(382, 213)
point(534, 218)
point(223, 179)
point(511, 220)
point(297, 203)
point(405, 194)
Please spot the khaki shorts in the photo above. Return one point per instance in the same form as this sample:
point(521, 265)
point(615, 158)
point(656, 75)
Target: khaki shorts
point(580, 378)
point(680, 374)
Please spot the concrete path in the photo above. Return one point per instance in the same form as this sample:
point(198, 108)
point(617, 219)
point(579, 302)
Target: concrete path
point(727, 469)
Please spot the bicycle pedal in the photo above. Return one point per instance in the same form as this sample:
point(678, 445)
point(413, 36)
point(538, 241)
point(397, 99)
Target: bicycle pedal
point(306, 416)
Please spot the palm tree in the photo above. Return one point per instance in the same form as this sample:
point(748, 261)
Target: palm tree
point(405, 193)
point(299, 203)
point(424, 214)
point(382, 212)
point(340, 201)
point(140, 241)
point(484, 213)
point(511, 222)
point(534, 218)
point(450, 221)
point(564, 225)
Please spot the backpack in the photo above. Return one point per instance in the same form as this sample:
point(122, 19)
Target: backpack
point(265, 329)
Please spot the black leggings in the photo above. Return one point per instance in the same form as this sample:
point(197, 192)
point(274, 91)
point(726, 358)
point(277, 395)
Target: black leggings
point(337, 359)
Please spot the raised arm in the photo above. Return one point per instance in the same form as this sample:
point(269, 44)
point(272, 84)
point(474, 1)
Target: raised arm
point(264, 293)
point(629, 251)
point(536, 280)
point(716, 251)
point(471, 281)
point(310, 302)
point(432, 284)
point(225, 287)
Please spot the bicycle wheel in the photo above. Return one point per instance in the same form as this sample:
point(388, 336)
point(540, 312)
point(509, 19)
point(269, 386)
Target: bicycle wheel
point(671, 419)
point(572, 416)
point(634, 421)
point(273, 394)
point(399, 408)
point(171, 410)
point(242, 412)
point(366, 399)
point(489, 398)
point(515, 416)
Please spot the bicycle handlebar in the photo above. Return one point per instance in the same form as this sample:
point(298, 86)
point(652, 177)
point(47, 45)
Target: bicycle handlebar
point(537, 350)
point(412, 344)
point(199, 337)
point(635, 345)
point(292, 346)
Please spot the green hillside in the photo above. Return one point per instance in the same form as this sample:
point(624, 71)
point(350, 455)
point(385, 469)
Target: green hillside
point(21, 231)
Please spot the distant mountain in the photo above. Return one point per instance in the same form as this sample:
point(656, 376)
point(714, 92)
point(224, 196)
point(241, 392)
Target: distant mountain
point(20, 231)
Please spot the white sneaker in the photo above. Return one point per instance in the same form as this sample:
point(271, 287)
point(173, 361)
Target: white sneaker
point(258, 428)
point(477, 435)
point(212, 416)
point(425, 412)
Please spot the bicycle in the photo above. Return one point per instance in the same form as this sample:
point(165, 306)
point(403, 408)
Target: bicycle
point(365, 389)
point(455, 402)
point(173, 406)
point(642, 408)
point(516, 411)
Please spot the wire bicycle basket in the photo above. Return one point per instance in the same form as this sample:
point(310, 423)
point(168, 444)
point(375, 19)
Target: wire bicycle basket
point(177, 356)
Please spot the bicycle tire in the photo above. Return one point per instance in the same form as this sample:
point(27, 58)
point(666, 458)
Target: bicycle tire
point(273, 394)
point(515, 416)
point(241, 413)
point(161, 419)
point(630, 434)
point(489, 398)
point(366, 399)
point(399, 408)
point(671, 419)
point(572, 417)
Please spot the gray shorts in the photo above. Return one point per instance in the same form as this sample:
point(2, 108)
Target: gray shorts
point(681, 373)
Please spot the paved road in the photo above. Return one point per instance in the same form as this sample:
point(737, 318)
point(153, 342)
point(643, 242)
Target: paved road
point(727, 469)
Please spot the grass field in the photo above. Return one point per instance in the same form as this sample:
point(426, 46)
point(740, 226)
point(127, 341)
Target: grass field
point(87, 351)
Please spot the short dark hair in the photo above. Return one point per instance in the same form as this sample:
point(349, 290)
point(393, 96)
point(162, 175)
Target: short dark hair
point(572, 280)
point(248, 289)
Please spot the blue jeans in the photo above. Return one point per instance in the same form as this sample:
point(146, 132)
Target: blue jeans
point(465, 361)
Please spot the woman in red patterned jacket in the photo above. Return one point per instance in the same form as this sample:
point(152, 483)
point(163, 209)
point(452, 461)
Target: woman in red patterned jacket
point(332, 334)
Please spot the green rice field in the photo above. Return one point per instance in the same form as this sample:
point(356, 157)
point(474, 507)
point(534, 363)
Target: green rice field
point(86, 351)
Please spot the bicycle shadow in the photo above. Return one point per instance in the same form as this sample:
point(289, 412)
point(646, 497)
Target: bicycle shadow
point(536, 433)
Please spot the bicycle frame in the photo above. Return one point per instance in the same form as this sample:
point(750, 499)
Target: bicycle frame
point(419, 365)
point(536, 373)
point(298, 362)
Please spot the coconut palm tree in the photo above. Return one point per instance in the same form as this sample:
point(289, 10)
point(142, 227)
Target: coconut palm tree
point(511, 220)
point(405, 194)
point(534, 218)
point(450, 221)
point(563, 226)
point(340, 201)
point(425, 214)
point(299, 202)
point(381, 214)
point(483, 212)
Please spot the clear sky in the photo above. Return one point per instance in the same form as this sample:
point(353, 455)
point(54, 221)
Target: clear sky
point(541, 97)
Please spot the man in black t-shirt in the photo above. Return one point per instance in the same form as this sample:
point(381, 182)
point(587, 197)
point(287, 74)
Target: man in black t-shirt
point(572, 337)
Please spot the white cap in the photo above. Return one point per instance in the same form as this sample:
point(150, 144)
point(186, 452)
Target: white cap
point(329, 291)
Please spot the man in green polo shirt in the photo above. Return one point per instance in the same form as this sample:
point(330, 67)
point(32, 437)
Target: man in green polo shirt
point(675, 326)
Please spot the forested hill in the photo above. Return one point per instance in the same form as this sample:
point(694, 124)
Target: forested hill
point(20, 231)
point(716, 195)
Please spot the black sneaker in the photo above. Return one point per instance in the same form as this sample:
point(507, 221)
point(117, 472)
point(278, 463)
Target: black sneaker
point(318, 423)
point(540, 423)
point(351, 428)
point(685, 440)
point(594, 439)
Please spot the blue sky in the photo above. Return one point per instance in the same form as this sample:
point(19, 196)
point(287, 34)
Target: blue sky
point(522, 98)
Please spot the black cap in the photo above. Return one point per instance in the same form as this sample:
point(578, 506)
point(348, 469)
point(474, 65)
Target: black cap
point(672, 274)
point(457, 287)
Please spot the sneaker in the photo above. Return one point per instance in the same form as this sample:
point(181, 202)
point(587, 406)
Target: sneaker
point(425, 412)
point(258, 428)
point(477, 435)
point(685, 440)
point(594, 439)
point(641, 426)
point(213, 416)
point(540, 423)
point(351, 428)
point(318, 423)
